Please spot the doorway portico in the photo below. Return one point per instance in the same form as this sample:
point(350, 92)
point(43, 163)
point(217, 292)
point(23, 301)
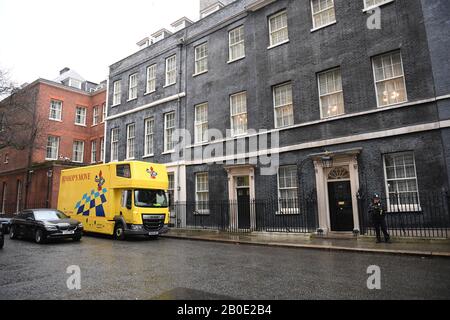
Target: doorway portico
point(337, 189)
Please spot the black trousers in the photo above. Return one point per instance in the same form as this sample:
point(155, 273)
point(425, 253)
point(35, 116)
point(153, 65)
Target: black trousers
point(380, 226)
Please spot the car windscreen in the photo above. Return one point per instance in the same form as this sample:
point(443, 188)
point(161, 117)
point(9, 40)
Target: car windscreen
point(145, 198)
point(49, 215)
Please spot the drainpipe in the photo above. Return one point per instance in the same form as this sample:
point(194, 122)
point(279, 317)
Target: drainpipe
point(181, 86)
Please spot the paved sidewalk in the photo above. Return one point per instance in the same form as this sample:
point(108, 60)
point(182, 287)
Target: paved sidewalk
point(425, 248)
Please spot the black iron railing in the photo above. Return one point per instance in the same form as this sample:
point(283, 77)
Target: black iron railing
point(424, 215)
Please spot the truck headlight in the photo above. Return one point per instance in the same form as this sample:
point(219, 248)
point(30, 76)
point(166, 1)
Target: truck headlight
point(80, 225)
point(136, 227)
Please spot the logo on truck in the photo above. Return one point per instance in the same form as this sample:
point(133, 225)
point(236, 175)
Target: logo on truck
point(153, 174)
point(93, 202)
point(100, 181)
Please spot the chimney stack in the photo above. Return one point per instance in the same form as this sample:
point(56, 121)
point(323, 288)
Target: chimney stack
point(64, 70)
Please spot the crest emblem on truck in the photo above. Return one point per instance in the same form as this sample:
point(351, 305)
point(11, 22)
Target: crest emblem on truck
point(100, 181)
point(153, 174)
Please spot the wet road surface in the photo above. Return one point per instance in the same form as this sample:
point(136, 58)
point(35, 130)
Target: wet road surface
point(180, 269)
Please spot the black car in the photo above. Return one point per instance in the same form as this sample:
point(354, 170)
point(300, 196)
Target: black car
point(6, 223)
point(2, 237)
point(44, 224)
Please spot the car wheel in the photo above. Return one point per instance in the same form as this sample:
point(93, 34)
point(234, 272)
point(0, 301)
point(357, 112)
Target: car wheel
point(12, 233)
point(119, 232)
point(39, 236)
point(2, 241)
point(76, 238)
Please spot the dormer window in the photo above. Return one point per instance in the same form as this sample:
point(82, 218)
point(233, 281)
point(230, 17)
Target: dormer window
point(75, 83)
point(204, 12)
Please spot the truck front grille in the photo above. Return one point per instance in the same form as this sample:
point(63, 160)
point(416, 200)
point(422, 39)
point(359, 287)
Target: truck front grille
point(153, 222)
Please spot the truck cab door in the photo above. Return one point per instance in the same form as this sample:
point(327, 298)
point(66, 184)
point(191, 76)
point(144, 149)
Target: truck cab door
point(126, 205)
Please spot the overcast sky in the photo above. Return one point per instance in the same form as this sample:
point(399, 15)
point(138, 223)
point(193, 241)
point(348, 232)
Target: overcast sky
point(40, 37)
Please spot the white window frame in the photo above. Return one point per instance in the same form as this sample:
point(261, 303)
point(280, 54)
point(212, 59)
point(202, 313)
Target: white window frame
point(203, 209)
point(75, 151)
point(151, 79)
point(75, 81)
point(55, 110)
point(272, 32)
point(131, 141)
point(102, 149)
point(276, 107)
point(321, 11)
point(200, 133)
point(393, 208)
point(323, 95)
point(376, 5)
point(133, 87)
point(241, 30)
point(117, 93)
point(93, 151)
point(169, 145)
point(57, 141)
point(200, 59)
point(169, 81)
point(103, 112)
point(233, 130)
point(115, 144)
point(95, 116)
point(82, 116)
point(389, 79)
point(287, 210)
point(149, 137)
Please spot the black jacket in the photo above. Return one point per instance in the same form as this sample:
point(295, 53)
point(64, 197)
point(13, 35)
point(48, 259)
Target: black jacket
point(377, 211)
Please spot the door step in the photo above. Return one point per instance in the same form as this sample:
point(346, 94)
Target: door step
point(335, 235)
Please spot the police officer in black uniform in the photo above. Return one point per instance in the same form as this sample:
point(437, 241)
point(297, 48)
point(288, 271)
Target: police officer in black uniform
point(378, 214)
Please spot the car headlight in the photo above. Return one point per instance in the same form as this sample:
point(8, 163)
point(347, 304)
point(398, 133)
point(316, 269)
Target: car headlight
point(80, 225)
point(50, 227)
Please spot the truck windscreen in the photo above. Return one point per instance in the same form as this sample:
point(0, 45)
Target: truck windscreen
point(145, 198)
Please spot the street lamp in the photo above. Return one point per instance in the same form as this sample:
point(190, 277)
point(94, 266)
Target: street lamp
point(327, 161)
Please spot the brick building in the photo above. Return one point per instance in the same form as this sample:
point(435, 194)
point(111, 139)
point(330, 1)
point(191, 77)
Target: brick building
point(68, 114)
point(355, 108)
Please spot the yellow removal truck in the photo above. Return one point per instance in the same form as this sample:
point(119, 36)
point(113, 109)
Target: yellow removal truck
point(120, 199)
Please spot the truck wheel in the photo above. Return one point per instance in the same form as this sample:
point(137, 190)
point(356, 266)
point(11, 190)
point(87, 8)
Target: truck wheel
point(119, 232)
point(39, 236)
point(12, 233)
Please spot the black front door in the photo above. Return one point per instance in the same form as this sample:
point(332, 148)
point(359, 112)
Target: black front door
point(243, 199)
point(341, 207)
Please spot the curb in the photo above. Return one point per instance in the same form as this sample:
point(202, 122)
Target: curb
point(316, 247)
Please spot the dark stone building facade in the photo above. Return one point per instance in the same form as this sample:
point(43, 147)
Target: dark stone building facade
point(354, 98)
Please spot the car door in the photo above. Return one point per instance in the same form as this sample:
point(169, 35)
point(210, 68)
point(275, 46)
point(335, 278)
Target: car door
point(28, 224)
point(18, 224)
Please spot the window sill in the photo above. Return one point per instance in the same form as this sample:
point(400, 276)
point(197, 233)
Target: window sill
point(116, 105)
point(285, 127)
point(56, 120)
point(332, 117)
point(168, 152)
point(199, 74)
point(377, 6)
point(129, 100)
point(169, 85)
point(201, 213)
point(235, 60)
point(324, 26)
point(392, 104)
point(148, 156)
point(288, 212)
point(130, 159)
point(80, 125)
point(48, 159)
point(278, 44)
point(150, 92)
